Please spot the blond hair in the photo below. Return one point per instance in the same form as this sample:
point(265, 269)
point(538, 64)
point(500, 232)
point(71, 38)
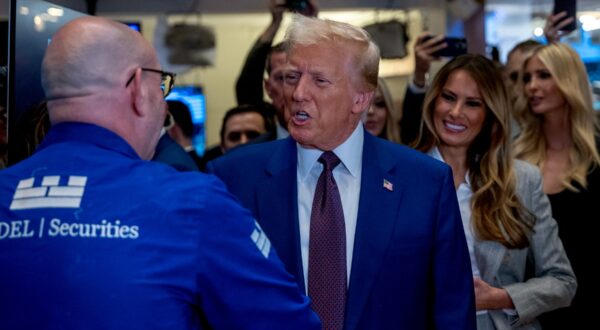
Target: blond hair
point(569, 75)
point(307, 31)
point(392, 127)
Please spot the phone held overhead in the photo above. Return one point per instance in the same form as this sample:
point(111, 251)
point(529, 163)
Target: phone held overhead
point(454, 47)
point(570, 7)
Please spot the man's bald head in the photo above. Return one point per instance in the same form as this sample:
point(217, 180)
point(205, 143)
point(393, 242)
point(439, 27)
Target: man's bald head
point(85, 72)
point(90, 53)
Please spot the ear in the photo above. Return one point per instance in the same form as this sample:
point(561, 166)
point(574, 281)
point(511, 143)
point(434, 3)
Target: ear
point(362, 101)
point(137, 93)
point(267, 87)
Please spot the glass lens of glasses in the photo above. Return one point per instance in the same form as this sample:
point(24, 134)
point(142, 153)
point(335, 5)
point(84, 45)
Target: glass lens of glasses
point(167, 83)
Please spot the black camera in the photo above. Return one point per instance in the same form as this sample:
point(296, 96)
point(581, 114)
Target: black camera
point(296, 5)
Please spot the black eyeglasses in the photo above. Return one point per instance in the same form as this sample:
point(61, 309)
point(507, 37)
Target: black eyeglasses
point(166, 82)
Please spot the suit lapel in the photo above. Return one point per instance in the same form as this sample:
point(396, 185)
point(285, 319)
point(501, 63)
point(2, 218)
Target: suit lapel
point(377, 214)
point(277, 204)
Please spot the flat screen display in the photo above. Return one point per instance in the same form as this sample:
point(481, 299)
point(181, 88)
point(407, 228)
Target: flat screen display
point(32, 25)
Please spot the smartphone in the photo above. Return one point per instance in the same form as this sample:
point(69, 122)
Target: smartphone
point(296, 5)
point(570, 6)
point(455, 46)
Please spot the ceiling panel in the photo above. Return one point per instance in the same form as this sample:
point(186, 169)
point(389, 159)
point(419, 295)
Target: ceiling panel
point(222, 6)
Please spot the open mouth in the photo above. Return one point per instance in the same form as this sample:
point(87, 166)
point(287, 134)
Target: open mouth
point(535, 100)
point(301, 116)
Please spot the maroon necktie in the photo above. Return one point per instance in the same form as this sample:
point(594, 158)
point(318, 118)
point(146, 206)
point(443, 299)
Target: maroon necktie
point(327, 249)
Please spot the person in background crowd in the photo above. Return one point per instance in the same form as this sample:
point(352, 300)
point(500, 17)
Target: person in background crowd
point(249, 86)
point(560, 135)
point(380, 120)
point(182, 128)
point(506, 216)
point(425, 46)
point(417, 86)
point(514, 63)
point(553, 29)
point(370, 229)
point(94, 236)
point(241, 125)
point(168, 151)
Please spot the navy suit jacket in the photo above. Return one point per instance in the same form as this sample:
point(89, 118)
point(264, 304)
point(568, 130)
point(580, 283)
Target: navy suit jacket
point(169, 152)
point(410, 266)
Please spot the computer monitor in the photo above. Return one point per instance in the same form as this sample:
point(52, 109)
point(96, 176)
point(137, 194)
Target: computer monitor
point(32, 23)
point(194, 98)
point(136, 26)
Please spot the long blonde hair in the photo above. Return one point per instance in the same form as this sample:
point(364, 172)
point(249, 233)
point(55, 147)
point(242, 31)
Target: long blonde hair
point(569, 74)
point(392, 127)
point(497, 213)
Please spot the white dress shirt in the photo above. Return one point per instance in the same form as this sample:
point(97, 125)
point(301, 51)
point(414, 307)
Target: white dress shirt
point(347, 175)
point(464, 193)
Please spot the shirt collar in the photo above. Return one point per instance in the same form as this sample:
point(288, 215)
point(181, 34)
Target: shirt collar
point(87, 134)
point(349, 152)
point(435, 153)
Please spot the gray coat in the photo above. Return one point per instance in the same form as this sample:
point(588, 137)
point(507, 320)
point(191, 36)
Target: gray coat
point(552, 284)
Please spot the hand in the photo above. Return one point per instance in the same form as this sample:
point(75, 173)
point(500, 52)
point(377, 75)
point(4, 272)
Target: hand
point(424, 48)
point(311, 9)
point(277, 8)
point(489, 297)
point(553, 25)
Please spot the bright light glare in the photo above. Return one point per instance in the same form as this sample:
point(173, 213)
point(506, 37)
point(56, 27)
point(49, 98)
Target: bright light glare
point(54, 11)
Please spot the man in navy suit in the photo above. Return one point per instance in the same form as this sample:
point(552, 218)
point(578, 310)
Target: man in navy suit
point(406, 260)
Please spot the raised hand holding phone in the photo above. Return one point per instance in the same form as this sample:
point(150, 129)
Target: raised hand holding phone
point(562, 21)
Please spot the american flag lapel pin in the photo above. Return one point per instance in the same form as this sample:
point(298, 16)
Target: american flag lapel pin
point(388, 185)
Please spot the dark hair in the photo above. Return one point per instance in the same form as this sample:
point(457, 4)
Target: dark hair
point(182, 116)
point(3, 86)
point(245, 108)
point(278, 48)
point(523, 46)
point(497, 213)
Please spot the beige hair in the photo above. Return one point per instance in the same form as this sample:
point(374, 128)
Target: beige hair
point(497, 213)
point(569, 74)
point(306, 31)
point(392, 127)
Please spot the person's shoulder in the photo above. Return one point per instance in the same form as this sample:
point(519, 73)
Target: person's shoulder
point(528, 178)
point(525, 170)
point(408, 157)
point(251, 154)
point(194, 188)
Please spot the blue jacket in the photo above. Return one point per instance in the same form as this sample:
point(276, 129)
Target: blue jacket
point(93, 237)
point(410, 264)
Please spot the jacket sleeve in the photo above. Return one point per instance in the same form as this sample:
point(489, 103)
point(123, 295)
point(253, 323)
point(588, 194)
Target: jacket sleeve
point(554, 284)
point(241, 282)
point(412, 114)
point(249, 85)
point(454, 296)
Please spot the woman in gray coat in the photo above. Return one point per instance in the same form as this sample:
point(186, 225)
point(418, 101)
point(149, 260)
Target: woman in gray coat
point(520, 269)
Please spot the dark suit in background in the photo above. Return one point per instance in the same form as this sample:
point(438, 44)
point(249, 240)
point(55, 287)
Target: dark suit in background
point(172, 154)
